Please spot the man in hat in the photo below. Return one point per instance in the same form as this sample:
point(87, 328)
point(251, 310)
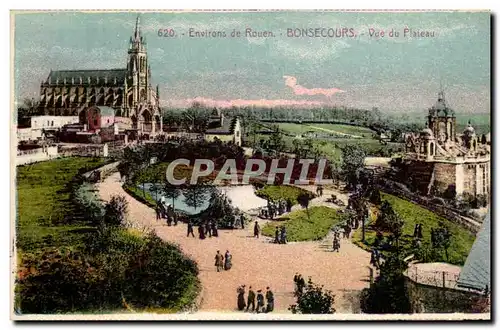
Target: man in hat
point(270, 300)
point(260, 301)
point(219, 261)
point(251, 299)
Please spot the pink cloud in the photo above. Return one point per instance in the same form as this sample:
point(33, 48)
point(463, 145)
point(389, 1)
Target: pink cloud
point(185, 103)
point(291, 82)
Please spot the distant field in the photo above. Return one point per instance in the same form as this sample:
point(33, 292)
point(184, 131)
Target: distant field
point(347, 129)
point(338, 128)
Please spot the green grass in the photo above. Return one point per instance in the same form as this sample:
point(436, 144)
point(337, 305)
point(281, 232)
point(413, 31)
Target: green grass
point(346, 129)
point(142, 196)
point(461, 241)
point(43, 202)
point(294, 128)
point(282, 192)
point(300, 228)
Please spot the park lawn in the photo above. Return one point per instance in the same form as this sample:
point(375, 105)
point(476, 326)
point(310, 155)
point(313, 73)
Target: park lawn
point(461, 241)
point(346, 129)
point(300, 228)
point(43, 202)
point(295, 128)
point(281, 192)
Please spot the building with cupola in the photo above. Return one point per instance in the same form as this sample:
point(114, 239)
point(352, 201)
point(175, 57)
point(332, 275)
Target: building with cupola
point(440, 161)
point(127, 91)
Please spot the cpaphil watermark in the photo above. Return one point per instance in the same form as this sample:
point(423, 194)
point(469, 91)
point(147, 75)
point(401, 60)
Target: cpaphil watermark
point(254, 168)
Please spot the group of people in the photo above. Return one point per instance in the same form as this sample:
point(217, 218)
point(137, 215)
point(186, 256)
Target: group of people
point(165, 211)
point(300, 283)
point(276, 208)
point(260, 307)
point(208, 229)
point(223, 262)
point(280, 235)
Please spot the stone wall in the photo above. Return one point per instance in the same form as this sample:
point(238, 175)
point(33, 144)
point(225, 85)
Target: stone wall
point(433, 299)
point(444, 177)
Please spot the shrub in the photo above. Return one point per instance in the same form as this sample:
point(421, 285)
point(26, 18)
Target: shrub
point(314, 300)
point(116, 211)
point(115, 268)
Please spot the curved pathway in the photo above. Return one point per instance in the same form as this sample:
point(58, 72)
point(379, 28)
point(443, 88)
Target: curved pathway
point(256, 261)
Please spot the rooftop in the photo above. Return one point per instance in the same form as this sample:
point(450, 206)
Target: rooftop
point(476, 271)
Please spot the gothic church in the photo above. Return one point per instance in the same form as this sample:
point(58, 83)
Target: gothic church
point(127, 91)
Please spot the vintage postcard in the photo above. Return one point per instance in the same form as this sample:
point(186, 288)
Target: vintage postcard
point(275, 165)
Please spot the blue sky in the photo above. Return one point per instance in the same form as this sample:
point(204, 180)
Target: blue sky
point(394, 74)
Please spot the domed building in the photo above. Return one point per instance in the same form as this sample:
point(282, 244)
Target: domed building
point(438, 161)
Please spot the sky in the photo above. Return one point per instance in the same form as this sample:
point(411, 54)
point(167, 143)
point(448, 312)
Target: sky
point(395, 74)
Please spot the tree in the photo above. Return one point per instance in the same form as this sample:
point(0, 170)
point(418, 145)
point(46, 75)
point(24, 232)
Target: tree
point(388, 294)
point(172, 192)
point(303, 199)
point(28, 108)
point(116, 211)
point(195, 196)
point(314, 300)
point(353, 158)
point(441, 238)
point(275, 141)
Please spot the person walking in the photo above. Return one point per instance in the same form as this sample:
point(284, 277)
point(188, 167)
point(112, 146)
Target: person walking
point(158, 212)
point(277, 236)
point(228, 260)
point(301, 283)
point(219, 261)
point(190, 228)
point(260, 301)
point(201, 231)
point(336, 244)
point(296, 281)
point(208, 229)
point(241, 297)
point(251, 299)
point(256, 230)
point(270, 300)
point(283, 235)
point(215, 232)
point(242, 221)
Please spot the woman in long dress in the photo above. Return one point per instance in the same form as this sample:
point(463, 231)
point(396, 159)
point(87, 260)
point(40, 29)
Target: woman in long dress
point(241, 297)
point(228, 260)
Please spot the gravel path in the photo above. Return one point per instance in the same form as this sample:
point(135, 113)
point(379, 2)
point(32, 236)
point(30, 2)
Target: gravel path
point(256, 261)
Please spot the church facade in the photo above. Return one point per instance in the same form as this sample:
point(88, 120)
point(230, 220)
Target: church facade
point(127, 90)
point(441, 161)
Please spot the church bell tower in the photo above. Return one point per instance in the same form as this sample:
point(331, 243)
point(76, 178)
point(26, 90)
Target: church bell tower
point(137, 66)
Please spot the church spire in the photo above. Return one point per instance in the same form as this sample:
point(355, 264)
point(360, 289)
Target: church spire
point(137, 32)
